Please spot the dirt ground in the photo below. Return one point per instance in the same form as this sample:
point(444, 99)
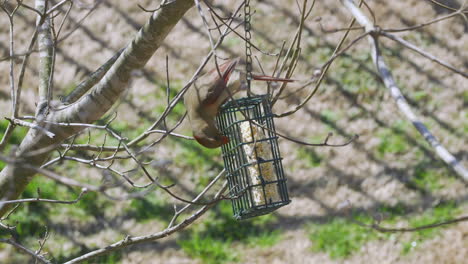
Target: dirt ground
point(362, 176)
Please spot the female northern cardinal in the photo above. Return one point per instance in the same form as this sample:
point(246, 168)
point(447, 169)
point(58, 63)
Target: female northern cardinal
point(210, 91)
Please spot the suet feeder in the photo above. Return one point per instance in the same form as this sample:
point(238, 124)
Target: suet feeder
point(252, 157)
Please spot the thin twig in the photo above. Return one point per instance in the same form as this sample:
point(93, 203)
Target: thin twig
point(239, 34)
point(444, 6)
point(199, 196)
point(32, 9)
point(42, 243)
point(385, 74)
point(181, 93)
point(129, 240)
point(322, 75)
point(64, 19)
point(336, 30)
point(168, 132)
point(423, 53)
point(380, 228)
point(12, 53)
point(164, 3)
point(323, 144)
point(458, 12)
point(295, 56)
point(208, 32)
point(32, 42)
point(29, 200)
point(91, 80)
point(79, 22)
point(26, 250)
point(19, 122)
point(57, 6)
point(14, 104)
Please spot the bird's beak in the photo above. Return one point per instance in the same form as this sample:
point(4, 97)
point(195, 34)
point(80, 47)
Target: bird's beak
point(225, 140)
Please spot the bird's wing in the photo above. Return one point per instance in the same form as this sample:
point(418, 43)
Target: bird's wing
point(219, 82)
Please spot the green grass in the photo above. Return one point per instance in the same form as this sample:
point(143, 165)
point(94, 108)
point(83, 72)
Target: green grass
point(179, 110)
point(420, 96)
point(390, 213)
point(148, 208)
point(31, 218)
point(429, 179)
point(392, 143)
point(232, 42)
point(30, 221)
point(344, 71)
point(94, 204)
point(208, 249)
point(265, 239)
point(339, 237)
point(18, 133)
point(46, 188)
point(79, 250)
point(420, 39)
point(176, 113)
point(15, 139)
point(68, 88)
point(330, 116)
point(309, 155)
point(129, 130)
point(401, 138)
point(464, 95)
point(196, 156)
point(111, 258)
point(213, 240)
point(440, 213)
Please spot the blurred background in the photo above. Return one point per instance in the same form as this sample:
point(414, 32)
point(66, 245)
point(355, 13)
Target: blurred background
point(389, 174)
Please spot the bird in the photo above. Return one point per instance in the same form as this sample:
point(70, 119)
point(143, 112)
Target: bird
point(208, 93)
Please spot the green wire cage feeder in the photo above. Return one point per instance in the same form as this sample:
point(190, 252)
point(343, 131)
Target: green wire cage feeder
point(252, 158)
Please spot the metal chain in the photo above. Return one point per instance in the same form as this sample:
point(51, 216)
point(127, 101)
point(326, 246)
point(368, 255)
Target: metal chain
point(248, 45)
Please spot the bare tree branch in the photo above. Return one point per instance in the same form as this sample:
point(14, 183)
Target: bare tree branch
point(96, 103)
point(391, 85)
point(46, 50)
point(444, 6)
point(380, 228)
point(458, 12)
point(181, 93)
point(423, 53)
point(18, 122)
point(129, 240)
point(322, 75)
point(90, 81)
point(29, 200)
point(28, 251)
point(14, 98)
